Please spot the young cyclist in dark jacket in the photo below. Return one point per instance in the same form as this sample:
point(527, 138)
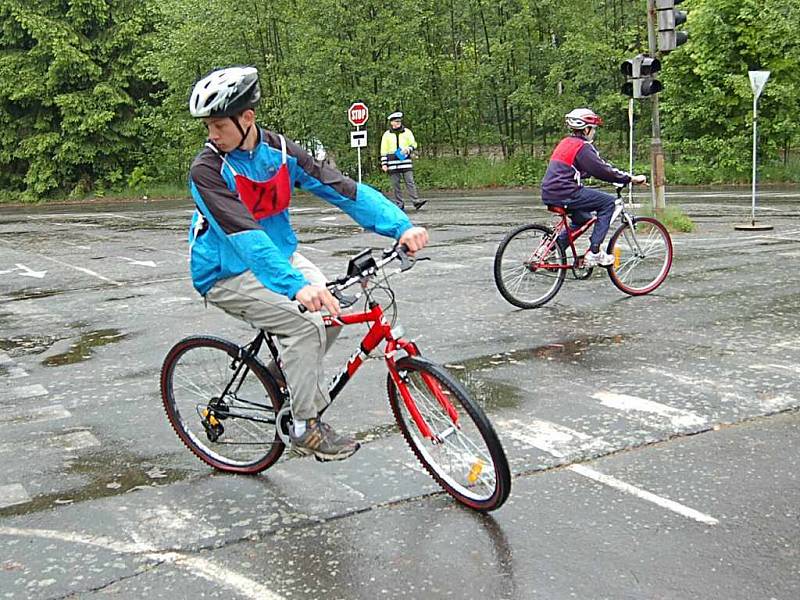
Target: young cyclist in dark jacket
point(573, 159)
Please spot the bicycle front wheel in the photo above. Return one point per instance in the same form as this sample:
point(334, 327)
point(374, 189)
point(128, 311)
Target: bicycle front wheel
point(222, 407)
point(463, 455)
point(642, 256)
point(526, 272)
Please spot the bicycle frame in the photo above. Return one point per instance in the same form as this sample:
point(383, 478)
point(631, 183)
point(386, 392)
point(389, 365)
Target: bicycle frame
point(380, 331)
point(574, 234)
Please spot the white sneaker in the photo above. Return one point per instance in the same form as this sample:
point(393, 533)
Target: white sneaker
point(598, 259)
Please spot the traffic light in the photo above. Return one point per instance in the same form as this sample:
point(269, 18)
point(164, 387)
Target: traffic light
point(668, 19)
point(640, 71)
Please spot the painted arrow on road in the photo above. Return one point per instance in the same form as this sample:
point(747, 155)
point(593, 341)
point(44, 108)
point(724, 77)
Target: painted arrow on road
point(25, 272)
point(141, 263)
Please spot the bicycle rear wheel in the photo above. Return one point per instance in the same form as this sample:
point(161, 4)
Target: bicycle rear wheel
point(521, 270)
point(221, 406)
point(642, 258)
point(465, 456)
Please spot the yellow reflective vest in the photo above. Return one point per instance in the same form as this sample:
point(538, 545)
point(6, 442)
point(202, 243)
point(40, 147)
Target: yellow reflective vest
point(396, 148)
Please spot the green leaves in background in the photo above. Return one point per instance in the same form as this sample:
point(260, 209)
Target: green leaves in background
point(93, 92)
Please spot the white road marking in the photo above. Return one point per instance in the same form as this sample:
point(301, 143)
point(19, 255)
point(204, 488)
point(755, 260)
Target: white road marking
point(81, 269)
point(677, 417)
point(554, 439)
point(29, 391)
point(13, 494)
point(141, 263)
point(68, 442)
point(35, 415)
point(643, 494)
point(15, 372)
point(776, 367)
point(793, 344)
point(12, 371)
point(24, 271)
point(559, 441)
point(73, 441)
point(212, 571)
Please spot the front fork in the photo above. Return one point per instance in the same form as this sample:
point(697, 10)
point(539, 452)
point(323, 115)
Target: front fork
point(431, 383)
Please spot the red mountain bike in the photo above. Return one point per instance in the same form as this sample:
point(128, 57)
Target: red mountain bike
point(234, 412)
point(530, 266)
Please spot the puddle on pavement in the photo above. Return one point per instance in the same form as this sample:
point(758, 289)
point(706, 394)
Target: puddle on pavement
point(491, 394)
point(566, 350)
point(82, 349)
point(27, 344)
point(109, 476)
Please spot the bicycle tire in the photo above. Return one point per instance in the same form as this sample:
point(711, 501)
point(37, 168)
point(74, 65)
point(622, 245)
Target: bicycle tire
point(476, 471)
point(638, 273)
point(195, 372)
point(513, 275)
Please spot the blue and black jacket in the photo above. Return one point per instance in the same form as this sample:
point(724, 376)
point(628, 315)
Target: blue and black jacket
point(226, 240)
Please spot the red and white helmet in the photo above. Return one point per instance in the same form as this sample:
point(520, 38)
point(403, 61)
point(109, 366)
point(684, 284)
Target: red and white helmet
point(581, 118)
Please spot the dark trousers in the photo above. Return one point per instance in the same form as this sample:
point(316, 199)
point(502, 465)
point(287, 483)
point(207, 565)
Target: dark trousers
point(398, 179)
point(580, 208)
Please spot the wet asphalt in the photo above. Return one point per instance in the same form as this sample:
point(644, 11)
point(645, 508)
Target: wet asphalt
point(653, 440)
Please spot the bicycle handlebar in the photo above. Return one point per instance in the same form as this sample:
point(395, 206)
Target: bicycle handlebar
point(367, 267)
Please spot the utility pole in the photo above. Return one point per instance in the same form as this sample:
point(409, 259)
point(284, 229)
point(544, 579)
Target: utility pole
point(657, 178)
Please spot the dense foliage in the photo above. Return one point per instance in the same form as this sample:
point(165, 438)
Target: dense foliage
point(93, 92)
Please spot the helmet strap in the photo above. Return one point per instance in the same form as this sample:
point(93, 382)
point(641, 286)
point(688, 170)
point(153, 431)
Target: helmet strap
point(243, 132)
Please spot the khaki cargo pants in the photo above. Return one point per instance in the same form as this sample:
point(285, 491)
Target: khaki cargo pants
point(302, 337)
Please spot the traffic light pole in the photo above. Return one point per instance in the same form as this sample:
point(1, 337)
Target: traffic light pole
point(657, 177)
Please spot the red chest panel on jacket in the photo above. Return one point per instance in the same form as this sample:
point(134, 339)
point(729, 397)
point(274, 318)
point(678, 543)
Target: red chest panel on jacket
point(266, 198)
point(567, 150)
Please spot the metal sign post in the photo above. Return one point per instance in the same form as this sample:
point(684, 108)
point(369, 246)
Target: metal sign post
point(357, 114)
point(630, 143)
point(758, 79)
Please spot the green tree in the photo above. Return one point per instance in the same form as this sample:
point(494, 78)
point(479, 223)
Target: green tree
point(707, 99)
point(70, 89)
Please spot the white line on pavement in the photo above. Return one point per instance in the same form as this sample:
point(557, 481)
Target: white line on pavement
point(35, 415)
point(81, 269)
point(554, 439)
point(211, 571)
point(29, 391)
point(13, 494)
point(677, 417)
point(643, 494)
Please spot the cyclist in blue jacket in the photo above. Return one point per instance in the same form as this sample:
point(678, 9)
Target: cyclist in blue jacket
point(573, 159)
point(243, 249)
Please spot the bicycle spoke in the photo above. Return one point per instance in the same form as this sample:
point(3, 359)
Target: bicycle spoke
point(643, 256)
point(459, 453)
point(522, 266)
point(233, 430)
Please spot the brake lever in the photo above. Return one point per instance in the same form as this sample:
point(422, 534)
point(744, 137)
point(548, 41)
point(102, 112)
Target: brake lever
point(345, 301)
point(405, 261)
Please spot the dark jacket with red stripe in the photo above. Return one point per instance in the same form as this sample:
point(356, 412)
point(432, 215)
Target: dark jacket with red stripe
point(574, 159)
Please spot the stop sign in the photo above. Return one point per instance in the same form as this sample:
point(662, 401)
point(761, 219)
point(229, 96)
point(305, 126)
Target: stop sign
point(358, 113)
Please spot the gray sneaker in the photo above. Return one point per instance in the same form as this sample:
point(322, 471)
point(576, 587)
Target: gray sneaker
point(323, 442)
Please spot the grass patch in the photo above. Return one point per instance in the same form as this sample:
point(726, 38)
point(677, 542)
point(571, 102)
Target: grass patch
point(673, 218)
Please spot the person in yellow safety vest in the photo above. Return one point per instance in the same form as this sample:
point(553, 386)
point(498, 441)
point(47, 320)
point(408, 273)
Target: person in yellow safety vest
point(397, 146)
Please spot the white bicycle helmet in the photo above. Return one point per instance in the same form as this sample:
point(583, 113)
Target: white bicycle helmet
point(581, 118)
point(225, 92)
